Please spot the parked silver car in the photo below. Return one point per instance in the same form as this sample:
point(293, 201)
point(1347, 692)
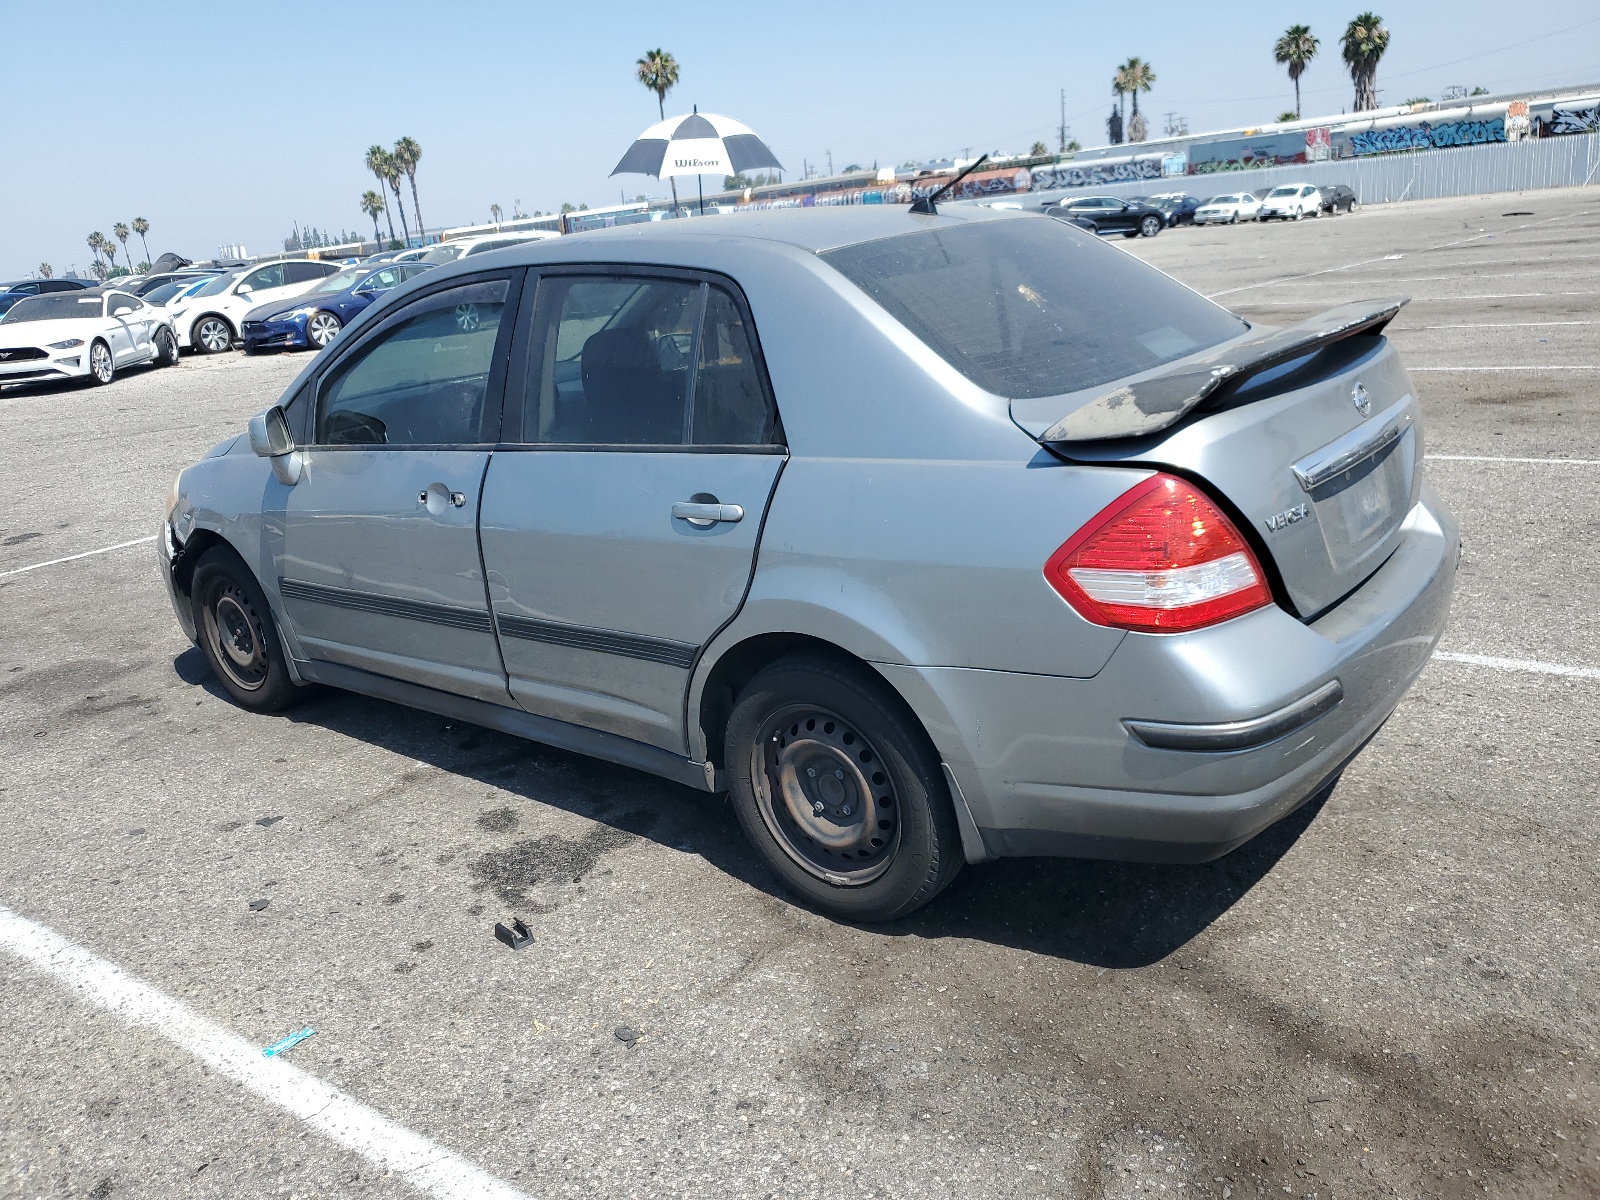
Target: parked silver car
point(929, 539)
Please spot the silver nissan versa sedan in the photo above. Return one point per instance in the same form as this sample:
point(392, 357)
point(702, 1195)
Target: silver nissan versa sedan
point(929, 538)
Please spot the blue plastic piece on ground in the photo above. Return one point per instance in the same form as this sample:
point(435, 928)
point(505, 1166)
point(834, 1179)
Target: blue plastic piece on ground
point(294, 1039)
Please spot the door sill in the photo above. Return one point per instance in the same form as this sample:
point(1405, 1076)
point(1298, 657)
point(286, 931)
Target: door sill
point(594, 742)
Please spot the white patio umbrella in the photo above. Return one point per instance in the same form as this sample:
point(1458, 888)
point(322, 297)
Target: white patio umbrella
point(698, 144)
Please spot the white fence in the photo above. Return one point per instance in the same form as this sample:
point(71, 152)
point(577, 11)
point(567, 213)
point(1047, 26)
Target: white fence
point(1570, 161)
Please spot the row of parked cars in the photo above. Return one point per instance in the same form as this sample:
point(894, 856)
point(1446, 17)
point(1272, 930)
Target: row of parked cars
point(75, 329)
point(1146, 216)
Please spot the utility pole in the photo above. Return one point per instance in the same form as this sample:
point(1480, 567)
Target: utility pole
point(1063, 120)
point(830, 163)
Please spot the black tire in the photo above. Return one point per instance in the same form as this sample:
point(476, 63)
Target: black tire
point(892, 843)
point(1150, 226)
point(238, 635)
point(321, 328)
point(166, 348)
point(1130, 233)
point(211, 334)
point(102, 366)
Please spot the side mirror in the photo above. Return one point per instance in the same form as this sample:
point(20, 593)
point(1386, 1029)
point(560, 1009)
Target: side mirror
point(245, 289)
point(270, 439)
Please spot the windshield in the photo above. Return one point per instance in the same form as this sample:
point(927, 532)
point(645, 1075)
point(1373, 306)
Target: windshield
point(1032, 306)
point(63, 306)
point(216, 287)
point(337, 282)
point(1223, 200)
point(1284, 191)
point(441, 254)
point(160, 295)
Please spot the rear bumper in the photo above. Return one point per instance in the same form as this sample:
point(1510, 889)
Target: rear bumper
point(1050, 765)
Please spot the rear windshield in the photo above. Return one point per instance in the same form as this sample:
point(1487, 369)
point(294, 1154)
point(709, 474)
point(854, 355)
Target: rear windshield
point(60, 306)
point(1032, 306)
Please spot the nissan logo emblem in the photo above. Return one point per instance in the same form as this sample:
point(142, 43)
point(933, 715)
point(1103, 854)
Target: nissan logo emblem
point(1361, 400)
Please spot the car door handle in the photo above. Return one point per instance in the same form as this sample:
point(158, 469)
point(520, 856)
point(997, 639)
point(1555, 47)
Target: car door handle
point(704, 515)
point(457, 499)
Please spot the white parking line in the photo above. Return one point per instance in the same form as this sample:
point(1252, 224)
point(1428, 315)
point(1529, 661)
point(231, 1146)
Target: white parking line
point(74, 557)
point(1518, 664)
point(1564, 462)
point(422, 1163)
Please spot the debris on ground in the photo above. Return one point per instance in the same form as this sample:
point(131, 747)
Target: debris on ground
point(515, 935)
point(294, 1039)
point(265, 821)
point(258, 905)
point(626, 1035)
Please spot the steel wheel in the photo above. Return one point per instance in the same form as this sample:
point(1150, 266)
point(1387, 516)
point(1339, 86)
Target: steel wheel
point(101, 366)
point(825, 798)
point(234, 633)
point(467, 318)
point(322, 328)
point(212, 335)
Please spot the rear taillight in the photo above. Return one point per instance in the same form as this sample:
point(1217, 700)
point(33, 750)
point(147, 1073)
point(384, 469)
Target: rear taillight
point(1162, 558)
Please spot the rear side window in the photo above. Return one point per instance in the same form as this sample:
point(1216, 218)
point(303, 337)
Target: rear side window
point(304, 272)
point(1031, 306)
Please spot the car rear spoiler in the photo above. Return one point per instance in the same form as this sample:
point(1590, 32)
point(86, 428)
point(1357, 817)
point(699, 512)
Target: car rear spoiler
point(1157, 401)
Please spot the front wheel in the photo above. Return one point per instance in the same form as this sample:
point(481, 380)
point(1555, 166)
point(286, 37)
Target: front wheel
point(840, 791)
point(102, 370)
point(1149, 227)
point(166, 349)
point(211, 335)
point(237, 633)
point(322, 328)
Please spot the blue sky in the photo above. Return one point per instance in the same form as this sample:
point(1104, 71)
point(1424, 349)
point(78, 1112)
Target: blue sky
point(226, 123)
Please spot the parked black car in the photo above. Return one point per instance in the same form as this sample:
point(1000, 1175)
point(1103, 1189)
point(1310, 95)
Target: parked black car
point(39, 287)
point(1337, 198)
point(1107, 214)
point(1179, 210)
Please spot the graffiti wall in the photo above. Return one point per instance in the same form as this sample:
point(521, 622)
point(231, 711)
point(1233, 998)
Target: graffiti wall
point(1094, 174)
point(1575, 120)
point(1423, 136)
point(1243, 153)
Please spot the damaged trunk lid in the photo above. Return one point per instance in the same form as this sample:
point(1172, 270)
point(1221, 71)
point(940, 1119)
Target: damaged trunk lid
point(1310, 434)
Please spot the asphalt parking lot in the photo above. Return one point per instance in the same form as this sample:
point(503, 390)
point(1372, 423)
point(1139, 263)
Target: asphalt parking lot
point(1393, 992)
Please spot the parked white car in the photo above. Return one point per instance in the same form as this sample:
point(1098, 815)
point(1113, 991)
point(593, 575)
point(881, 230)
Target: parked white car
point(208, 319)
point(446, 252)
point(88, 334)
point(1291, 201)
point(1225, 210)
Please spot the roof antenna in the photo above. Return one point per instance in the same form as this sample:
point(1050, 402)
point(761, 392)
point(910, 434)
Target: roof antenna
point(926, 204)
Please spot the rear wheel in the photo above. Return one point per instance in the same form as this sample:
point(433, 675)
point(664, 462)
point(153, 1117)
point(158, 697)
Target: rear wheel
point(166, 349)
point(1150, 226)
point(322, 328)
point(211, 335)
point(839, 789)
point(101, 367)
point(237, 633)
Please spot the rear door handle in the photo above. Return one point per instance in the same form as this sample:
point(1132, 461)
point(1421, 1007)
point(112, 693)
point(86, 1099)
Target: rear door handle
point(705, 515)
point(455, 499)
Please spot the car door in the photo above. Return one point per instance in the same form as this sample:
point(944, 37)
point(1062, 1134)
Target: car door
point(121, 333)
point(621, 515)
point(134, 315)
point(378, 561)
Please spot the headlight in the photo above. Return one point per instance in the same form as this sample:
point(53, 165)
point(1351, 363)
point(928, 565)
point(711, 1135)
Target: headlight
point(66, 345)
point(290, 316)
point(173, 492)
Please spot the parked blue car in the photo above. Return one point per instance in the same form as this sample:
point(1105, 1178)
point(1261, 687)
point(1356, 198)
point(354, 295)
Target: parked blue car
point(314, 318)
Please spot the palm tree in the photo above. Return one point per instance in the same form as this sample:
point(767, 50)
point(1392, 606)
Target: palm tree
point(372, 204)
point(1296, 48)
point(1364, 41)
point(1119, 89)
point(46, 271)
point(391, 176)
point(377, 156)
point(96, 242)
point(658, 71)
point(121, 230)
point(407, 153)
point(142, 227)
point(494, 214)
point(1138, 76)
